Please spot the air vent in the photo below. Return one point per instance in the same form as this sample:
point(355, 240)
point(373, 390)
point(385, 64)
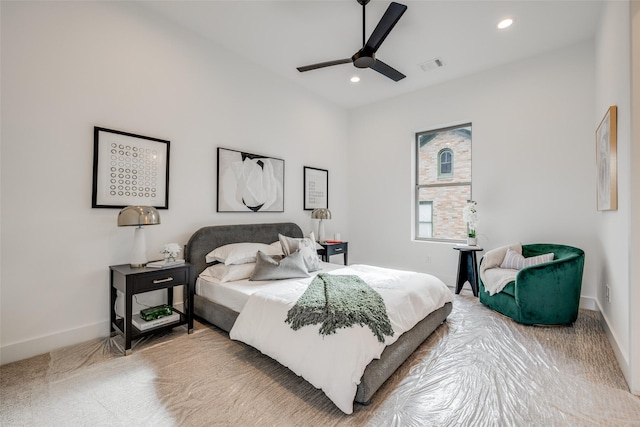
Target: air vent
point(431, 64)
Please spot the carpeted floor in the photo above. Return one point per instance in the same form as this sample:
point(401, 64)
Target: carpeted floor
point(477, 369)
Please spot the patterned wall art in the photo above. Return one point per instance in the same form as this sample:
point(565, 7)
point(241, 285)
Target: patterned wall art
point(249, 182)
point(316, 188)
point(606, 161)
point(129, 169)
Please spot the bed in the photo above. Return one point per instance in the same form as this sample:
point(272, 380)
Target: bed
point(376, 372)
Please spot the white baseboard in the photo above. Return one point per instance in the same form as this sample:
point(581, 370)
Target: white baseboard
point(623, 360)
point(589, 303)
point(34, 347)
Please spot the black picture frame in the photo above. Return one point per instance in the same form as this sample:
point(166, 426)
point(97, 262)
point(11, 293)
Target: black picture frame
point(129, 170)
point(234, 187)
point(316, 188)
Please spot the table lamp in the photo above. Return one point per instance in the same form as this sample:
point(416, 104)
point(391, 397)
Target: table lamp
point(321, 214)
point(138, 216)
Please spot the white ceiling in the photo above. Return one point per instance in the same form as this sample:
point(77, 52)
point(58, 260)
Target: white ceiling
point(283, 35)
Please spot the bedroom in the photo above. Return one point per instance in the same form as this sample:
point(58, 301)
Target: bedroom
point(67, 67)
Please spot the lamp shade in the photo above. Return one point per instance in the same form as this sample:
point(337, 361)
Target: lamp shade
point(321, 213)
point(138, 216)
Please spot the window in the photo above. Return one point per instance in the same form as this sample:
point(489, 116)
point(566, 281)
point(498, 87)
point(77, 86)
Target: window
point(443, 182)
point(425, 219)
point(445, 163)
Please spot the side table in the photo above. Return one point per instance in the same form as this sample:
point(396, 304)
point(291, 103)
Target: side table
point(131, 281)
point(467, 267)
point(329, 249)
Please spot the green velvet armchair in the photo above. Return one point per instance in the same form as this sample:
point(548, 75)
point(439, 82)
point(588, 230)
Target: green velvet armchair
point(544, 294)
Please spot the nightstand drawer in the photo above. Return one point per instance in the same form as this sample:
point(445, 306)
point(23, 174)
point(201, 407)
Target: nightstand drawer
point(329, 249)
point(160, 279)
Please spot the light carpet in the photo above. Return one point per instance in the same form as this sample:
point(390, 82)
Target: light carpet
point(479, 368)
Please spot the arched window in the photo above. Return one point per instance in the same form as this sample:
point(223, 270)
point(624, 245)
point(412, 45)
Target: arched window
point(445, 163)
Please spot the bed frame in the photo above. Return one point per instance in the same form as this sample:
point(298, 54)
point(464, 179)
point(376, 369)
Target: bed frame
point(206, 239)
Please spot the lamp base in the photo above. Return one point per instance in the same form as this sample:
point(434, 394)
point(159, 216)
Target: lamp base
point(139, 253)
point(321, 237)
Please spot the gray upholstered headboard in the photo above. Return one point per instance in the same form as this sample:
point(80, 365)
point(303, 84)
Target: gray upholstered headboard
point(207, 239)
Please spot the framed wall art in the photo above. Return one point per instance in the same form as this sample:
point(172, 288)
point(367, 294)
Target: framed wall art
point(316, 188)
point(249, 182)
point(129, 169)
point(606, 161)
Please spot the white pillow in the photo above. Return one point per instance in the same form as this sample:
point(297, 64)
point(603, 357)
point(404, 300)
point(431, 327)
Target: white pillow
point(515, 261)
point(240, 253)
point(278, 247)
point(291, 245)
point(231, 273)
point(313, 239)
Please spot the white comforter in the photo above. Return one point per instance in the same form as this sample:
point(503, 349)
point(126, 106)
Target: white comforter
point(335, 363)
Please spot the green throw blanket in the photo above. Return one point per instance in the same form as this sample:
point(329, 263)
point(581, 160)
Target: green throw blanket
point(339, 301)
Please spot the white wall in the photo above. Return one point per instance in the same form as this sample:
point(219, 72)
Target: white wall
point(634, 284)
point(69, 66)
point(533, 162)
point(613, 87)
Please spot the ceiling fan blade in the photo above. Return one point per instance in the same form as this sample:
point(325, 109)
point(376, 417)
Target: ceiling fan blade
point(384, 27)
point(387, 70)
point(324, 64)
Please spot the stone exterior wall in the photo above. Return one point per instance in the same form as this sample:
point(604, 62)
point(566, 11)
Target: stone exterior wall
point(448, 201)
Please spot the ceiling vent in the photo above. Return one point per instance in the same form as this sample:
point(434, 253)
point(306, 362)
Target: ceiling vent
point(431, 64)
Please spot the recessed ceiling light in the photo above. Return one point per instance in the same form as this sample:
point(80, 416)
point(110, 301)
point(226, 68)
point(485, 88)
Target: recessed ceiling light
point(355, 79)
point(505, 23)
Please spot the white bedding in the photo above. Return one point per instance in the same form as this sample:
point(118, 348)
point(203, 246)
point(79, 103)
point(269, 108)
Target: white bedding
point(234, 295)
point(335, 363)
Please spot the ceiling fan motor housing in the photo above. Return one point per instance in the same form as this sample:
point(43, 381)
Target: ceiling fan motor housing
point(362, 60)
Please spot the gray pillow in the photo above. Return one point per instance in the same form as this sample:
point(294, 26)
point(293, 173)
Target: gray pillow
point(289, 267)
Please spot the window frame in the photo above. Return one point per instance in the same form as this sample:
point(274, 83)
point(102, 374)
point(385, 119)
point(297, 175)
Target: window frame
point(418, 186)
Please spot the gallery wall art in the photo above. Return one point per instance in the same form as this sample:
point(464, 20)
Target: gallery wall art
point(249, 182)
point(606, 161)
point(129, 169)
point(316, 188)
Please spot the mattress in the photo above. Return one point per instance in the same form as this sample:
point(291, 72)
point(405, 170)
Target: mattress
point(234, 295)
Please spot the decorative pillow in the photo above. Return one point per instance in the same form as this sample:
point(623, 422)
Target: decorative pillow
point(516, 261)
point(305, 245)
point(289, 267)
point(240, 253)
point(278, 247)
point(231, 273)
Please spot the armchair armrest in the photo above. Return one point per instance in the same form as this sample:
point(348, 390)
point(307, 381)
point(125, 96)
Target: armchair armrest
point(551, 289)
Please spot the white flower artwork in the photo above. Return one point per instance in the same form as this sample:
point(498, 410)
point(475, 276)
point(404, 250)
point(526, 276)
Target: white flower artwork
point(249, 182)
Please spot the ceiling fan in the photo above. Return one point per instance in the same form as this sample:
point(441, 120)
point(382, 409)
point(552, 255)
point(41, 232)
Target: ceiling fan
point(366, 57)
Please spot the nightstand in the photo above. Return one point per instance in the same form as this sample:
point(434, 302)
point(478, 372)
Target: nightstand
point(329, 249)
point(131, 281)
point(467, 267)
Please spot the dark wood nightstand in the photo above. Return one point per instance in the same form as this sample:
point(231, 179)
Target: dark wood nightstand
point(329, 249)
point(131, 281)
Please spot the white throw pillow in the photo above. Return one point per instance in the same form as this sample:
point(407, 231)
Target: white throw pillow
point(231, 273)
point(305, 245)
point(516, 261)
point(240, 253)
